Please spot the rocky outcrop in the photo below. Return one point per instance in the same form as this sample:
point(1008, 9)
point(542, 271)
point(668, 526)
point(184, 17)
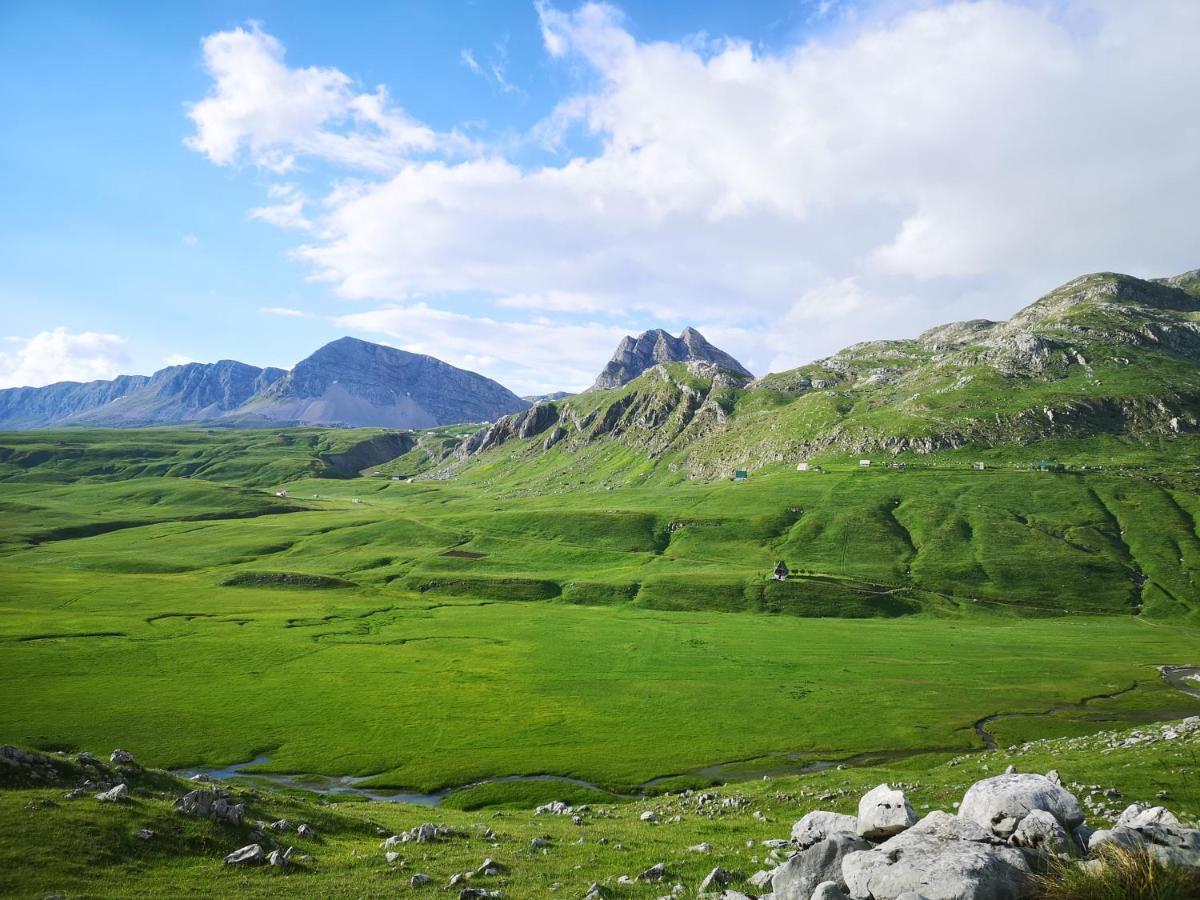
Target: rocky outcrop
point(1008, 828)
point(634, 355)
point(211, 804)
point(655, 413)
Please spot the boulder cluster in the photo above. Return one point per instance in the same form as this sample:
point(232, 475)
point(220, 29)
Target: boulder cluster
point(1007, 829)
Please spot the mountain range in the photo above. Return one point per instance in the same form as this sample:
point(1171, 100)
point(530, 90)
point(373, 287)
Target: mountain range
point(347, 382)
point(1103, 355)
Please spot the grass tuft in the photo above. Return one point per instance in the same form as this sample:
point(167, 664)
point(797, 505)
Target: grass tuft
point(1122, 874)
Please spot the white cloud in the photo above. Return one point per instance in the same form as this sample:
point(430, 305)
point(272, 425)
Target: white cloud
point(285, 312)
point(263, 110)
point(916, 164)
point(60, 355)
point(177, 359)
point(284, 215)
point(527, 357)
point(496, 69)
point(468, 60)
point(190, 240)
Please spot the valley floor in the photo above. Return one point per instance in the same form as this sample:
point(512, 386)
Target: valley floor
point(424, 636)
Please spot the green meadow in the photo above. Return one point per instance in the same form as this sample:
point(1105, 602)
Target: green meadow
point(155, 594)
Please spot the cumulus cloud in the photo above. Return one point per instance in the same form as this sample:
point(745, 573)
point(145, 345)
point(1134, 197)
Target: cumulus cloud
point(532, 357)
point(269, 113)
point(61, 355)
point(914, 164)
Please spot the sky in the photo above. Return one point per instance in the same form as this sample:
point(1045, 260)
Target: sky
point(514, 186)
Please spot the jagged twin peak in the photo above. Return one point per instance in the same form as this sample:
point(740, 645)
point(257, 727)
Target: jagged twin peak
point(637, 354)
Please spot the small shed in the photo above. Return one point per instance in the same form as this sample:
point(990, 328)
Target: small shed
point(978, 466)
point(781, 571)
point(864, 464)
point(281, 493)
point(396, 478)
point(801, 467)
point(741, 475)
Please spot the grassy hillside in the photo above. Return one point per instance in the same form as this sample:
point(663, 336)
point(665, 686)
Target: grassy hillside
point(1104, 355)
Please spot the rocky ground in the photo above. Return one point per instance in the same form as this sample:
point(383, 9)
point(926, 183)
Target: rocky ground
point(820, 837)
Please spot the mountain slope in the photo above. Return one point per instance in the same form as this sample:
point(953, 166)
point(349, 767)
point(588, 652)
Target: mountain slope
point(347, 382)
point(635, 355)
point(352, 382)
point(1105, 354)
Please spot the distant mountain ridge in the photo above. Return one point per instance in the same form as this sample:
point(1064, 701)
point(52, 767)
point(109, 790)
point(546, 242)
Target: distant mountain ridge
point(347, 382)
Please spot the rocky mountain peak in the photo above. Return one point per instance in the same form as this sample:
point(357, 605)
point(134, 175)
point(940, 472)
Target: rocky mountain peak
point(634, 355)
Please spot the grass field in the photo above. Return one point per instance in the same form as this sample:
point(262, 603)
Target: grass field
point(432, 634)
point(157, 595)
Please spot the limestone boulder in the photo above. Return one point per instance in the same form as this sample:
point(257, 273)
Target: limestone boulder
point(884, 811)
point(1000, 803)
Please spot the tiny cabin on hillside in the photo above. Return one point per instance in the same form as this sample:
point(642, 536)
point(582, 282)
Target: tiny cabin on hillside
point(801, 467)
point(781, 571)
point(864, 464)
point(281, 493)
point(978, 466)
point(741, 475)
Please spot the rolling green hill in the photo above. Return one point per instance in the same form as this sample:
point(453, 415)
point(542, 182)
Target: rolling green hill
point(1105, 354)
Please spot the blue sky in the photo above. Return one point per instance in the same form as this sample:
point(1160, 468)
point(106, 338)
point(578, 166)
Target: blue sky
point(538, 179)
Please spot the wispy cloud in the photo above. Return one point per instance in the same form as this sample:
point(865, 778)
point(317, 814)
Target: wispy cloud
point(286, 312)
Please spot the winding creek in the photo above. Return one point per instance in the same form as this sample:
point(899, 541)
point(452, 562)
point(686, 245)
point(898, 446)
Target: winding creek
point(1185, 679)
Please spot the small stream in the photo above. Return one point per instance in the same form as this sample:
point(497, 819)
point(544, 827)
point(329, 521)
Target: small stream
point(1185, 679)
point(348, 785)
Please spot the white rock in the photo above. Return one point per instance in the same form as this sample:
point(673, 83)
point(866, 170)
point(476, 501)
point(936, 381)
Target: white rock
point(797, 878)
point(818, 825)
point(827, 890)
point(715, 880)
point(883, 812)
point(1000, 803)
point(1039, 830)
point(940, 868)
point(119, 794)
point(248, 855)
